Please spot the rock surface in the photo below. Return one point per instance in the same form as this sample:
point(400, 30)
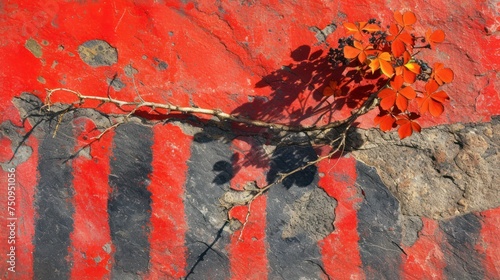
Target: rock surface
point(443, 172)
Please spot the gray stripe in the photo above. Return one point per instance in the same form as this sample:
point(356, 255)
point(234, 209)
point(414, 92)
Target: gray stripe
point(378, 226)
point(209, 172)
point(129, 205)
point(463, 261)
point(294, 222)
point(53, 200)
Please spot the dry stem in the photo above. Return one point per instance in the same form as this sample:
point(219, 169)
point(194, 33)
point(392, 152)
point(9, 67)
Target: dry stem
point(213, 112)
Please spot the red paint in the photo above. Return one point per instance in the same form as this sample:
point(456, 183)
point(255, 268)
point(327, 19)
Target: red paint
point(216, 54)
point(247, 250)
point(91, 247)
point(424, 259)
point(340, 250)
point(489, 243)
point(25, 184)
point(168, 224)
point(26, 181)
point(6, 151)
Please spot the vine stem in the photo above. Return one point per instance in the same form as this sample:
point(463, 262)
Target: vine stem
point(213, 112)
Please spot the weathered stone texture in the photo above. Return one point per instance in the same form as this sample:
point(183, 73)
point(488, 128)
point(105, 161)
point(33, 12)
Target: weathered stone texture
point(443, 172)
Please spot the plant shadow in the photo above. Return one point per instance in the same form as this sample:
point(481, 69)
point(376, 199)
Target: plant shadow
point(300, 95)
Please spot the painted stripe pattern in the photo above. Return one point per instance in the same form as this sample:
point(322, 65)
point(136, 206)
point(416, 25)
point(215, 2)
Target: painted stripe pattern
point(284, 250)
point(91, 246)
point(150, 222)
point(54, 192)
point(461, 235)
point(129, 204)
point(209, 174)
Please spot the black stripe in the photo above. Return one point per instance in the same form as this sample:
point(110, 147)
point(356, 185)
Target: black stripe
point(208, 176)
point(129, 205)
point(293, 251)
point(378, 227)
point(53, 200)
point(463, 261)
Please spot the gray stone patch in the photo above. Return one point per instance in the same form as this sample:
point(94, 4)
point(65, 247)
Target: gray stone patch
point(33, 46)
point(293, 248)
point(311, 215)
point(130, 71)
point(462, 235)
point(98, 53)
point(322, 34)
point(411, 226)
point(115, 83)
point(21, 150)
point(160, 64)
point(207, 237)
point(379, 226)
point(445, 171)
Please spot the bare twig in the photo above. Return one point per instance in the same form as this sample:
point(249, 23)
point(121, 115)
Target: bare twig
point(213, 112)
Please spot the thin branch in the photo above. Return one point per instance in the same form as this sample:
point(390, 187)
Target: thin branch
point(213, 112)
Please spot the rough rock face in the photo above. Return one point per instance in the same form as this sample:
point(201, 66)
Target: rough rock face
point(443, 172)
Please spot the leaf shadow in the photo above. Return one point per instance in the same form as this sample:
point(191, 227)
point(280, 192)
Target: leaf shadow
point(297, 98)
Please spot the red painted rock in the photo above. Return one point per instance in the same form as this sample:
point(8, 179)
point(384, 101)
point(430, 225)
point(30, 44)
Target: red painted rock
point(142, 200)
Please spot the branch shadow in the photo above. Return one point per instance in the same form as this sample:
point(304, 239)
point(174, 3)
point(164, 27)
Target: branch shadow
point(298, 98)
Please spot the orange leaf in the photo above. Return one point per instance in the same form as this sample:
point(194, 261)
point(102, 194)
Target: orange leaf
point(409, 70)
point(382, 61)
point(396, 95)
point(398, 48)
point(407, 126)
point(406, 38)
point(434, 37)
point(387, 98)
point(351, 27)
point(406, 19)
point(351, 52)
point(385, 121)
point(432, 101)
point(442, 75)
point(356, 29)
point(393, 32)
point(359, 51)
point(401, 41)
point(371, 28)
point(408, 92)
point(435, 108)
point(332, 89)
point(328, 91)
point(386, 68)
point(413, 67)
